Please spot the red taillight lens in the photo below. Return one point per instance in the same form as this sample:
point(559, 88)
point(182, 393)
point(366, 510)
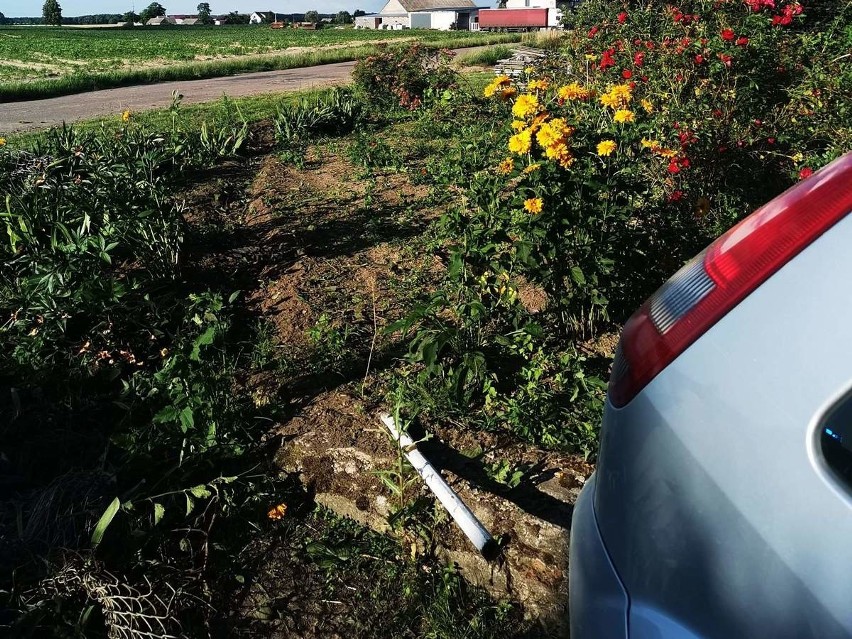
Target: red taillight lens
point(709, 286)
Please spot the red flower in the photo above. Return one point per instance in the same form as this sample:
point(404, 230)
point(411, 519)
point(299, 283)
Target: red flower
point(770, 140)
point(742, 41)
point(676, 196)
point(806, 173)
point(607, 60)
point(758, 122)
point(627, 74)
point(644, 78)
point(699, 59)
point(677, 16)
point(728, 35)
point(673, 168)
point(622, 17)
point(724, 57)
point(639, 59)
point(717, 113)
point(593, 31)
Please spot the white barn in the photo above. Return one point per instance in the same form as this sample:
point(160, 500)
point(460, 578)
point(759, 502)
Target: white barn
point(423, 14)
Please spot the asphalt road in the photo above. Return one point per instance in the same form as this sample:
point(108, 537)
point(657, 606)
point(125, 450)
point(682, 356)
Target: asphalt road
point(40, 114)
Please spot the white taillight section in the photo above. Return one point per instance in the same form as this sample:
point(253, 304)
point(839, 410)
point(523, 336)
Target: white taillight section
point(731, 268)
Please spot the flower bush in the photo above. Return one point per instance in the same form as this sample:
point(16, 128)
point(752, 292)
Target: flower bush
point(671, 123)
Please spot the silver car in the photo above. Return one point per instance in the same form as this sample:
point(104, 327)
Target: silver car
point(721, 506)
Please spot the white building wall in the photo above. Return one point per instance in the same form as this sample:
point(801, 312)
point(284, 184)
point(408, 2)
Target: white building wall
point(443, 20)
point(394, 22)
point(395, 7)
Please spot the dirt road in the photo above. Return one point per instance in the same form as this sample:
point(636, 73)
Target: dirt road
point(42, 114)
point(39, 114)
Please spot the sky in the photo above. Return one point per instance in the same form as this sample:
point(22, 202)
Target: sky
point(14, 8)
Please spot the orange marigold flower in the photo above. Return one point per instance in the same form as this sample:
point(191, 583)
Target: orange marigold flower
point(508, 93)
point(277, 512)
point(125, 116)
point(624, 115)
point(647, 105)
point(572, 91)
point(506, 166)
point(538, 85)
point(606, 147)
point(533, 205)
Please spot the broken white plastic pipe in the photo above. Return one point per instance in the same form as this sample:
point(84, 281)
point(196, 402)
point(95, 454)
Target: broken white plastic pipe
point(466, 520)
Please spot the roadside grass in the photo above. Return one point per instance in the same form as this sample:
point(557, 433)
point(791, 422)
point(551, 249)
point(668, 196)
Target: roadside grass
point(485, 57)
point(309, 573)
point(83, 81)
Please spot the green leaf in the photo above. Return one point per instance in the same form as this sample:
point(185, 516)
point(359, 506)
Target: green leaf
point(205, 339)
point(187, 420)
point(577, 275)
point(201, 491)
point(159, 512)
point(105, 521)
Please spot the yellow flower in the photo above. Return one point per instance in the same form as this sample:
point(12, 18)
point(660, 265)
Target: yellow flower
point(666, 153)
point(506, 166)
point(525, 106)
point(531, 168)
point(554, 132)
point(529, 70)
point(533, 205)
point(796, 157)
point(538, 85)
point(277, 512)
point(647, 105)
point(606, 147)
point(572, 91)
point(501, 80)
point(497, 84)
point(520, 143)
point(518, 125)
point(649, 144)
point(490, 90)
point(624, 115)
point(126, 115)
point(2, 141)
point(591, 56)
point(617, 97)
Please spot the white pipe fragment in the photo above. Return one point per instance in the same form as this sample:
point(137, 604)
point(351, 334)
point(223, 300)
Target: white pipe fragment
point(466, 520)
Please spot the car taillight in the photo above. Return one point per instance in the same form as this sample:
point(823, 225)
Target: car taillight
point(731, 268)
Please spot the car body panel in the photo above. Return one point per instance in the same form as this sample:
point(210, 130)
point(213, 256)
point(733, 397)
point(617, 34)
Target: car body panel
point(598, 600)
point(712, 497)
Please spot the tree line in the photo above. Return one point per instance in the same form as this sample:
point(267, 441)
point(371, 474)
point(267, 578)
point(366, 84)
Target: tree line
point(52, 15)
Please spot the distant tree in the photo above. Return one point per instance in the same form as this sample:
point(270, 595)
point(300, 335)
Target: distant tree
point(130, 17)
point(343, 17)
point(2, 18)
point(153, 10)
point(312, 16)
point(204, 13)
point(358, 13)
point(237, 18)
point(51, 12)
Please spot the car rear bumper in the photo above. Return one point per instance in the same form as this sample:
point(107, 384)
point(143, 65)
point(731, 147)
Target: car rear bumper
point(598, 602)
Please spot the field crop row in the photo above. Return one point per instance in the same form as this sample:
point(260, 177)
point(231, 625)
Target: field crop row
point(39, 63)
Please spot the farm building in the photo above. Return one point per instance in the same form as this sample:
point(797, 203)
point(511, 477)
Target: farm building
point(160, 20)
point(443, 15)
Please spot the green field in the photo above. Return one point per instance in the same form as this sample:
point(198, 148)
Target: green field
point(40, 62)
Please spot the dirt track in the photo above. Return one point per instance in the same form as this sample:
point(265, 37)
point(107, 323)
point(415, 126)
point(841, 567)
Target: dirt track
point(41, 114)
